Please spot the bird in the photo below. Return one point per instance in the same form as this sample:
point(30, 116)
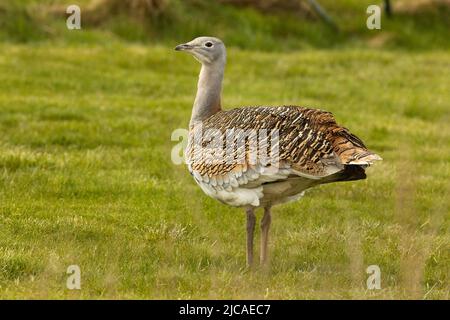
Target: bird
point(256, 157)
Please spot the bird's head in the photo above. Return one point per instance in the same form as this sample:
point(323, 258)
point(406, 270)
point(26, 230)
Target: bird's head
point(207, 50)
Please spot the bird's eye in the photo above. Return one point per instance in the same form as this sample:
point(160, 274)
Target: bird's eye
point(208, 44)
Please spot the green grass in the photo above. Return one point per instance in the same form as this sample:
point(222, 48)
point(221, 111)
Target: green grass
point(86, 176)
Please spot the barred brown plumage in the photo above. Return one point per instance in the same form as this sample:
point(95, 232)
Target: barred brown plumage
point(262, 156)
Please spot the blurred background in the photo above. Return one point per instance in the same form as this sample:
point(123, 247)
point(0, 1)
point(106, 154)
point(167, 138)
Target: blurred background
point(270, 25)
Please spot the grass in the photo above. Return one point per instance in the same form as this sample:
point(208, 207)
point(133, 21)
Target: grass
point(86, 176)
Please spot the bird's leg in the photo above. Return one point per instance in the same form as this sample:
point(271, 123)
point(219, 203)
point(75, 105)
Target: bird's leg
point(265, 225)
point(251, 220)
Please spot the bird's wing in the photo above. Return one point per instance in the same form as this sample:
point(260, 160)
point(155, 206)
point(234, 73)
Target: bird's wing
point(305, 142)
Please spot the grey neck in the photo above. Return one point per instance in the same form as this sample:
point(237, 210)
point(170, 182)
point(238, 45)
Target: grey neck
point(207, 101)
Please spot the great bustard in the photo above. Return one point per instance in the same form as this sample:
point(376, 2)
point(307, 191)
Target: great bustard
point(309, 147)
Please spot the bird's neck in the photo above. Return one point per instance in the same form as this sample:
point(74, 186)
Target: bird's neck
point(207, 100)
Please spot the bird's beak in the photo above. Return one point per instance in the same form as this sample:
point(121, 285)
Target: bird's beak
point(183, 47)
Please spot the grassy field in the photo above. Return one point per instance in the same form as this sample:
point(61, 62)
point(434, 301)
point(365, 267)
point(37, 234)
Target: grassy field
point(86, 176)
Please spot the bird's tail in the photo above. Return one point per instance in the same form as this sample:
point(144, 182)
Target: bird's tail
point(364, 158)
point(351, 150)
point(350, 173)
